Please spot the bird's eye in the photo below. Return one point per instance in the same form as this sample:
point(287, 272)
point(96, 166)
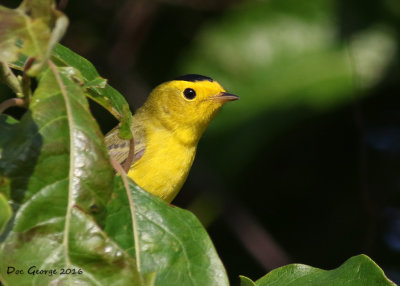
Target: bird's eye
point(189, 93)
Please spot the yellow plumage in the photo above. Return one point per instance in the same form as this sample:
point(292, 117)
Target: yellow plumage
point(166, 130)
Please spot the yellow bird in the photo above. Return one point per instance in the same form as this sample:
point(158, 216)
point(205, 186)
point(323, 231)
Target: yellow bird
point(166, 130)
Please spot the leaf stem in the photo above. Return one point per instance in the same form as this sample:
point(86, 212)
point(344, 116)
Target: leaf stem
point(10, 79)
point(71, 177)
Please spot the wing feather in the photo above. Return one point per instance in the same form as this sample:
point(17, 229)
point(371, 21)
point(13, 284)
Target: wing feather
point(119, 148)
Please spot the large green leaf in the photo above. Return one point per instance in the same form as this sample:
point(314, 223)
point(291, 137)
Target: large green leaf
point(31, 30)
point(357, 271)
point(58, 165)
point(97, 87)
point(172, 243)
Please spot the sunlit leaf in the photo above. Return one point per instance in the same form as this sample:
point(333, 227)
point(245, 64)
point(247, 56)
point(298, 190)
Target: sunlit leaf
point(372, 51)
point(244, 281)
point(357, 271)
point(5, 208)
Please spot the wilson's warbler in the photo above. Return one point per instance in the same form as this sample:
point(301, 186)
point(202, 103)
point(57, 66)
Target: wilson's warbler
point(166, 130)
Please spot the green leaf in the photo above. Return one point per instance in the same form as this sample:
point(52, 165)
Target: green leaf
point(6, 125)
point(98, 82)
point(357, 271)
point(31, 30)
point(244, 281)
point(172, 243)
point(7, 120)
point(97, 89)
point(19, 149)
point(5, 208)
point(5, 187)
point(60, 168)
point(5, 212)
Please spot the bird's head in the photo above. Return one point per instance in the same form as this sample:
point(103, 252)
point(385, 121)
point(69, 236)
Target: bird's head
point(190, 101)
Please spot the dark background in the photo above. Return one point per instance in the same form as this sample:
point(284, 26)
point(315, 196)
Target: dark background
point(305, 166)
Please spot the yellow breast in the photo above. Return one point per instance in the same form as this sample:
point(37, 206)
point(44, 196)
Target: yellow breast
point(165, 163)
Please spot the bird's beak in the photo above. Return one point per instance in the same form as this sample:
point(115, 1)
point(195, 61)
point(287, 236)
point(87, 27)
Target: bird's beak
point(225, 97)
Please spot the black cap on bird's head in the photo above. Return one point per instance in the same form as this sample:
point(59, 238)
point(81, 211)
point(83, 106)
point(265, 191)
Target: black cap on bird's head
point(193, 78)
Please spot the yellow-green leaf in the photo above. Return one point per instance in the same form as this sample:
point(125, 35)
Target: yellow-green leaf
point(31, 30)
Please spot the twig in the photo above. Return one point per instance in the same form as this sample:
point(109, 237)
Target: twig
point(11, 102)
point(135, 22)
point(255, 238)
point(259, 242)
point(128, 162)
point(117, 166)
point(10, 79)
point(26, 80)
point(62, 5)
point(370, 205)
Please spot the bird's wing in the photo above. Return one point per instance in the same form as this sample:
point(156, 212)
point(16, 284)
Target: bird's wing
point(119, 148)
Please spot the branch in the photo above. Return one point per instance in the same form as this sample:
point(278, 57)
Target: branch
point(120, 170)
point(11, 102)
point(128, 162)
point(26, 80)
point(62, 5)
point(254, 237)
